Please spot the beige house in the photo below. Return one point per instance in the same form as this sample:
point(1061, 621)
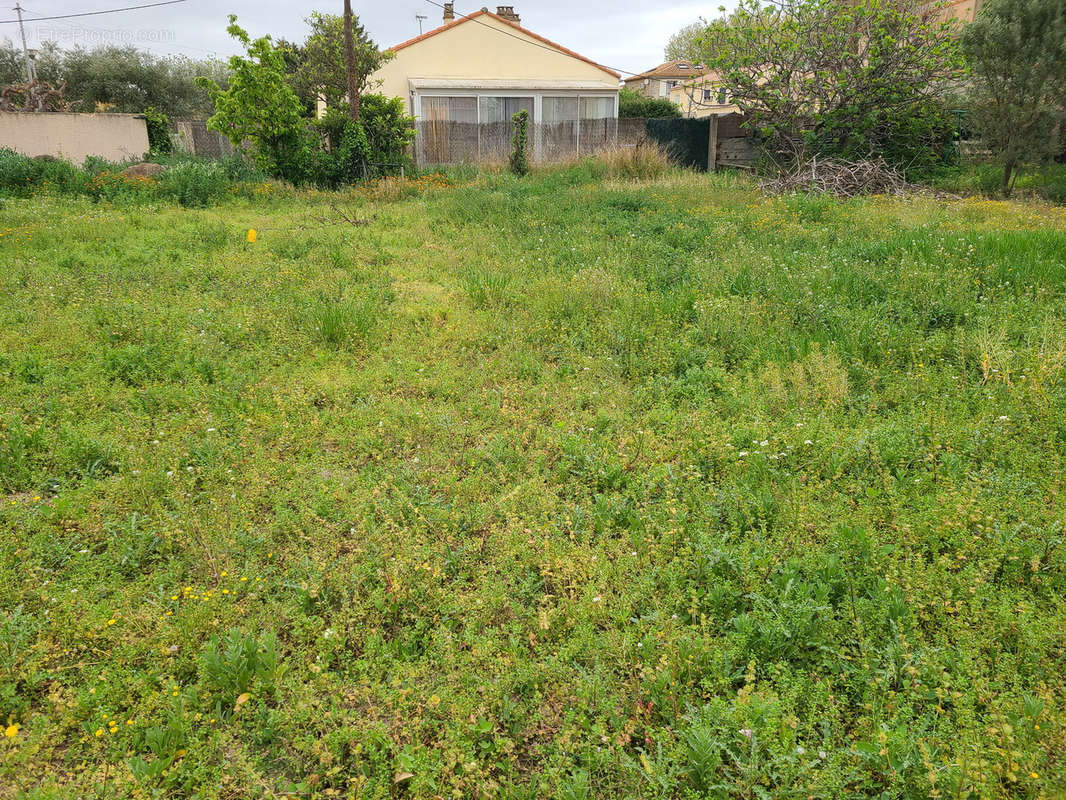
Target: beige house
point(659, 81)
point(704, 96)
point(962, 11)
point(478, 70)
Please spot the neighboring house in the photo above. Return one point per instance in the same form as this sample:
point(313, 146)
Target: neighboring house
point(658, 82)
point(703, 97)
point(475, 72)
point(962, 11)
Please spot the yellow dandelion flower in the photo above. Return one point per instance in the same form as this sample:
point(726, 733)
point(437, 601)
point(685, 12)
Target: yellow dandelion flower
point(251, 236)
point(98, 732)
point(12, 730)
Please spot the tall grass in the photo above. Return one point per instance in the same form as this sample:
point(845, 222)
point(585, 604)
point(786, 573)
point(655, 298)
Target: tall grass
point(643, 161)
point(568, 485)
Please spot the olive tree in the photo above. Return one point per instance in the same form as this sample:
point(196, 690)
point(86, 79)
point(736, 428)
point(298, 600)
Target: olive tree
point(1016, 51)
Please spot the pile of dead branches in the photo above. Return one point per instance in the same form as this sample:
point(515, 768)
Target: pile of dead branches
point(840, 177)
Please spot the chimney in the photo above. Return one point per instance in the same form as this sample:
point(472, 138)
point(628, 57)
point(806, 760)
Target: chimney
point(507, 13)
point(449, 12)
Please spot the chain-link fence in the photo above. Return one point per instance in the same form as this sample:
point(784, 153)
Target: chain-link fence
point(192, 136)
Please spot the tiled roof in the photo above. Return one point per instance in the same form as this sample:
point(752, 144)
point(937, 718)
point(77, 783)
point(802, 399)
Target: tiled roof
point(672, 69)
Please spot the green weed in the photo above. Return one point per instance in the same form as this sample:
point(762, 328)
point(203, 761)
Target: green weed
point(576, 485)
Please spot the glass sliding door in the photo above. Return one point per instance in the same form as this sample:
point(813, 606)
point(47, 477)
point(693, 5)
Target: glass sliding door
point(599, 126)
point(560, 126)
point(448, 130)
point(495, 114)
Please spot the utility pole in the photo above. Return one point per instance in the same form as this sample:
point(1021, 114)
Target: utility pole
point(349, 57)
point(31, 69)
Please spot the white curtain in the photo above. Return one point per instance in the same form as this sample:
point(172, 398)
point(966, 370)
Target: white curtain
point(559, 109)
point(501, 109)
point(597, 107)
point(449, 109)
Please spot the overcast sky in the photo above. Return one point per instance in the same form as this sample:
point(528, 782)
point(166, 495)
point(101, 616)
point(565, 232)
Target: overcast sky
point(628, 35)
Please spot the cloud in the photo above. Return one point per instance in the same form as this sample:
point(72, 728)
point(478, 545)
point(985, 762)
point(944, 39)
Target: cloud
point(628, 35)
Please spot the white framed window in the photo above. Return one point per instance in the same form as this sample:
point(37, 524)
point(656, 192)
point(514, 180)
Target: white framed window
point(555, 110)
point(502, 109)
point(597, 107)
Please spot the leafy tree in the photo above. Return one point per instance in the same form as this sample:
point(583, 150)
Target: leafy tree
point(686, 42)
point(113, 78)
point(1016, 50)
point(292, 55)
point(122, 79)
point(320, 66)
point(12, 66)
point(853, 77)
point(259, 107)
point(634, 104)
point(126, 79)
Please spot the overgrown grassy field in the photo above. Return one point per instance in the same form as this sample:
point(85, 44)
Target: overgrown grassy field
point(570, 487)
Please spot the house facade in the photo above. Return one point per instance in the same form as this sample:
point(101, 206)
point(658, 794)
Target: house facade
point(463, 81)
point(960, 11)
point(659, 81)
point(705, 96)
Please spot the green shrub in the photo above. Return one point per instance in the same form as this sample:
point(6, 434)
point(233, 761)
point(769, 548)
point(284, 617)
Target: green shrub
point(195, 184)
point(240, 169)
point(19, 174)
point(344, 164)
point(94, 165)
point(61, 176)
point(387, 127)
point(634, 104)
point(1054, 184)
point(917, 141)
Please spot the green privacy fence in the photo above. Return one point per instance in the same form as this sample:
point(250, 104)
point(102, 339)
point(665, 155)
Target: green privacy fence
point(685, 140)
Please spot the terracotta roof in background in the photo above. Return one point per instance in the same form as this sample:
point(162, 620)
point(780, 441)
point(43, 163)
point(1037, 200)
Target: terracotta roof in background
point(672, 69)
point(527, 32)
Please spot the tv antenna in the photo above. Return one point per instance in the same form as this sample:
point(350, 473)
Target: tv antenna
point(420, 17)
